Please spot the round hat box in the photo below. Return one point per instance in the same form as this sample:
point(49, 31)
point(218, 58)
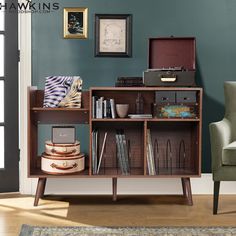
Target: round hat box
point(62, 149)
point(52, 164)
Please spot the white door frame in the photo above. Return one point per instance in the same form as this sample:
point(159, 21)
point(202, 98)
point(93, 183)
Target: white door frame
point(24, 27)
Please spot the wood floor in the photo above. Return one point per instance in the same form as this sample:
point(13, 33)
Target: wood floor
point(16, 210)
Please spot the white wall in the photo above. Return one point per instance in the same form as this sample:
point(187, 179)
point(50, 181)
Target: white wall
point(203, 185)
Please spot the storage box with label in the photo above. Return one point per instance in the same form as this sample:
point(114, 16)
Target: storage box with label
point(171, 62)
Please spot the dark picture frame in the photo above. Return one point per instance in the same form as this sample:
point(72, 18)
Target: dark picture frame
point(75, 23)
point(113, 35)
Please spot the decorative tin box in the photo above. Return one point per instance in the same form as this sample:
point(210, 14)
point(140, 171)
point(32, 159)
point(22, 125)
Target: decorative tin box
point(63, 134)
point(52, 164)
point(62, 149)
point(172, 104)
point(171, 62)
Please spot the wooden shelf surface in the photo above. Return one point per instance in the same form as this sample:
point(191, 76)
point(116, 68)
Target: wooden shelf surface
point(60, 115)
point(38, 173)
point(146, 88)
point(59, 109)
point(148, 120)
point(117, 120)
point(176, 172)
point(174, 119)
point(112, 173)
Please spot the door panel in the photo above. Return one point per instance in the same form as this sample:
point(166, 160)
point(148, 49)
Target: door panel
point(9, 148)
point(2, 17)
point(2, 55)
point(1, 101)
point(1, 147)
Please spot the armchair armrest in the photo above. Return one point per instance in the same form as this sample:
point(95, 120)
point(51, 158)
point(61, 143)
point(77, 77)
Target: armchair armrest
point(220, 136)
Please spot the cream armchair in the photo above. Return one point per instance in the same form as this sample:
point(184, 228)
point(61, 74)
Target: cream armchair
point(223, 143)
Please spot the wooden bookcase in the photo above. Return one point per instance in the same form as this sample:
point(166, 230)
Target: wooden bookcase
point(182, 133)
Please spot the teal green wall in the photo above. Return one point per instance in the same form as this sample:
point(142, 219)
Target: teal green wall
point(212, 22)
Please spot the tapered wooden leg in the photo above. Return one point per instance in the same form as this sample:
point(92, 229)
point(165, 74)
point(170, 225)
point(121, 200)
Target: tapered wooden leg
point(183, 187)
point(43, 188)
point(187, 190)
point(216, 196)
point(114, 189)
point(40, 190)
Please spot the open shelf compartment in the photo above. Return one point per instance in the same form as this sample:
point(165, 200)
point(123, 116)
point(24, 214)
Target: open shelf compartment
point(187, 107)
point(110, 162)
point(175, 148)
point(39, 114)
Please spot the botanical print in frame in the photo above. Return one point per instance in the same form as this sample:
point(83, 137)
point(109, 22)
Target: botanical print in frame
point(113, 35)
point(75, 23)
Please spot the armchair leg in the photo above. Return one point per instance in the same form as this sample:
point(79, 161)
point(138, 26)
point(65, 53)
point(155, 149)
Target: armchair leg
point(216, 196)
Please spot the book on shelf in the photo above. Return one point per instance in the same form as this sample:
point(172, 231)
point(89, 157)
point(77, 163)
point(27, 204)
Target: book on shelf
point(122, 152)
point(94, 150)
point(97, 109)
point(123, 161)
point(141, 116)
point(126, 152)
point(100, 107)
point(102, 152)
point(150, 155)
point(156, 155)
point(103, 108)
point(96, 158)
point(113, 108)
point(93, 107)
point(129, 82)
point(118, 148)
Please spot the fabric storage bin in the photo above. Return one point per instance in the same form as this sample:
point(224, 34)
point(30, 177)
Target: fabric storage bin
point(186, 97)
point(165, 96)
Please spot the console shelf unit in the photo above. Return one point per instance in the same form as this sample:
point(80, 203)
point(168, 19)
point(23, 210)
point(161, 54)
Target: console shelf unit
point(162, 129)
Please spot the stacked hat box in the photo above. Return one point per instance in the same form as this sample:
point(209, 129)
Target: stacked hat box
point(62, 158)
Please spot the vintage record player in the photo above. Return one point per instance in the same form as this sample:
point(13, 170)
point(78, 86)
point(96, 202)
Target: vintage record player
point(171, 62)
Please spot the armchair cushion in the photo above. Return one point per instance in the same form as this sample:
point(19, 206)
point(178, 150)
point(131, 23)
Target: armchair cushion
point(221, 136)
point(229, 154)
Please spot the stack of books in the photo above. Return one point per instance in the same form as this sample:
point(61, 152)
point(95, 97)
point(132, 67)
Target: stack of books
point(103, 108)
point(129, 82)
point(122, 152)
point(150, 155)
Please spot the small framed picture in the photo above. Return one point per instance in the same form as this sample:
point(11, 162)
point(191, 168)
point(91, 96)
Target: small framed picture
point(113, 35)
point(76, 23)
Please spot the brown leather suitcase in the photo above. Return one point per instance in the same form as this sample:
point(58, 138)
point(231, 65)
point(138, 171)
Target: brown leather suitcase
point(171, 62)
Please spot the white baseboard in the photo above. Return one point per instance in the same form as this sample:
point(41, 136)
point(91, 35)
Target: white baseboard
point(203, 185)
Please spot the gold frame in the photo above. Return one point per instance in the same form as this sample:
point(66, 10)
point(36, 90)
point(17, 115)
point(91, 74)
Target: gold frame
point(84, 35)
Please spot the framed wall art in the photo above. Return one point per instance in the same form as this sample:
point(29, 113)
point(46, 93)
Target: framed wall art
point(76, 23)
point(113, 35)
